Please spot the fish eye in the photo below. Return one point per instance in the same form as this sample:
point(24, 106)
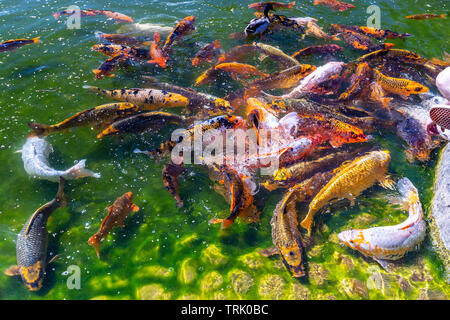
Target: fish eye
point(291, 253)
point(417, 89)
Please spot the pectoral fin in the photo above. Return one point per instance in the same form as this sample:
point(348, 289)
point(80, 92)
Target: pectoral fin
point(387, 183)
point(54, 258)
point(12, 271)
point(269, 252)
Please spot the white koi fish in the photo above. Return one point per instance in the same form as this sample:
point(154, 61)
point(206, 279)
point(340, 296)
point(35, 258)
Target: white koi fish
point(35, 154)
point(317, 76)
point(391, 242)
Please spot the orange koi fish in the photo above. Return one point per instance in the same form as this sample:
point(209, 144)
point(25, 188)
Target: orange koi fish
point(402, 87)
point(334, 4)
point(206, 53)
point(184, 27)
point(117, 213)
point(322, 49)
point(12, 45)
point(156, 52)
point(241, 69)
point(119, 17)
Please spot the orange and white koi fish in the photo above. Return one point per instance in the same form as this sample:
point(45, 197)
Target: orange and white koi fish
point(391, 242)
point(119, 17)
point(424, 16)
point(242, 69)
point(156, 52)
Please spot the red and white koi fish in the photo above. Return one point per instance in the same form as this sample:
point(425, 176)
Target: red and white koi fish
point(391, 242)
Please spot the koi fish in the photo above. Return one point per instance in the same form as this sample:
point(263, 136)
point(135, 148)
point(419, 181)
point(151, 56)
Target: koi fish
point(184, 27)
point(119, 17)
point(141, 122)
point(206, 54)
point(391, 242)
point(200, 103)
point(358, 82)
point(108, 66)
point(259, 6)
point(323, 49)
point(376, 33)
point(417, 138)
point(287, 177)
point(424, 16)
point(35, 154)
point(156, 53)
point(350, 180)
point(207, 76)
point(83, 13)
point(236, 54)
point(116, 216)
point(94, 116)
point(319, 75)
point(241, 69)
point(402, 87)
point(276, 54)
point(113, 50)
point(151, 99)
point(12, 45)
point(334, 4)
point(240, 195)
point(31, 246)
point(170, 175)
point(314, 30)
point(119, 38)
point(358, 40)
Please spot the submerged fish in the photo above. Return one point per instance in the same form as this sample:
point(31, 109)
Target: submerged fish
point(403, 87)
point(417, 138)
point(244, 70)
point(391, 242)
point(236, 53)
point(95, 116)
point(31, 246)
point(440, 114)
point(359, 81)
point(141, 122)
point(206, 54)
point(11, 45)
point(113, 50)
point(156, 53)
point(184, 27)
point(314, 30)
point(276, 54)
point(119, 38)
point(334, 4)
point(116, 216)
point(83, 13)
point(350, 180)
point(259, 6)
point(35, 154)
point(108, 66)
point(424, 16)
point(207, 76)
point(322, 49)
point(170, 175)
point(152, 99)
point(119, 17)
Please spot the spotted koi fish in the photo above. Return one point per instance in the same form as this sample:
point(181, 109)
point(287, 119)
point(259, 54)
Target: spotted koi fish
point(32, 242)
point(240, 195)
point(12, 45)
point(116, 216)
point(314, 30)
point(259, 6)
point(206, 54)
point(152, 99)
point(91, 117)
point(424, 16)
point(156, 53)
point(389, 243)
point(170, 180)
point(108, 66)
point(142, 122)
point(403, 87)
point(376, 33)
point(112, 50)
point(184, 27)
point(322, 49)
point(350, 180)
point(334, 4)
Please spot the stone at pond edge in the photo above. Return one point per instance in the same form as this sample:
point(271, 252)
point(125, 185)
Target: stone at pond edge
point(213, 255)
point(187, 271)
point(153, 292)
point(253, 260)
point(440, 210)
point(153, 272)
point(211, 281)
point(189, 297)
point(318, 275)
point(429, 294)
point(380, 281)
point(241, 281)
point(354, 289)
point(299, 292)
point(271, 287)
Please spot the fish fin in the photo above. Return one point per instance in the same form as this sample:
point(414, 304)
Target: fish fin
point(134, 208)
point(95, 242)
point(12, 271)
point(79, 171)
point(444, 16)
point(307, 222)
point(351, 198)
point(60, 196)
point(157, 37)
point(217, 44)
point(54, 258)
point(35, 40)
point(215, 221)
point(387, 182)
point(383, 263)
point(39, 130)
point(262, 57)
point(268, 252)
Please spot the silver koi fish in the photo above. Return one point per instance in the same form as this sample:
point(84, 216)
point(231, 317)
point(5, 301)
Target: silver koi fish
point(391, 242)
point(35, 154)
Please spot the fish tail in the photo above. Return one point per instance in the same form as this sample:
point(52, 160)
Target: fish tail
point(92, 88)
point(39, 130)
point(60, 195)
point(97, 73)
point(217, 44)
point(79, 171)
point(307, 222)
point(405, 187)
point(35, 40)
point(444, 16)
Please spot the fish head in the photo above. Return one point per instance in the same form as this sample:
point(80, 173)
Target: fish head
point(232, 122)
point(353, 239)
point(415, 88)
point(190, 19)
point(223, 105)
point(293, 259)
point(129, 196)
point(383, 156)
point(350, 134)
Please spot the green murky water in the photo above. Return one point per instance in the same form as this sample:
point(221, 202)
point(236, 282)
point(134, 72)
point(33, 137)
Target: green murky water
point(164, 251)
